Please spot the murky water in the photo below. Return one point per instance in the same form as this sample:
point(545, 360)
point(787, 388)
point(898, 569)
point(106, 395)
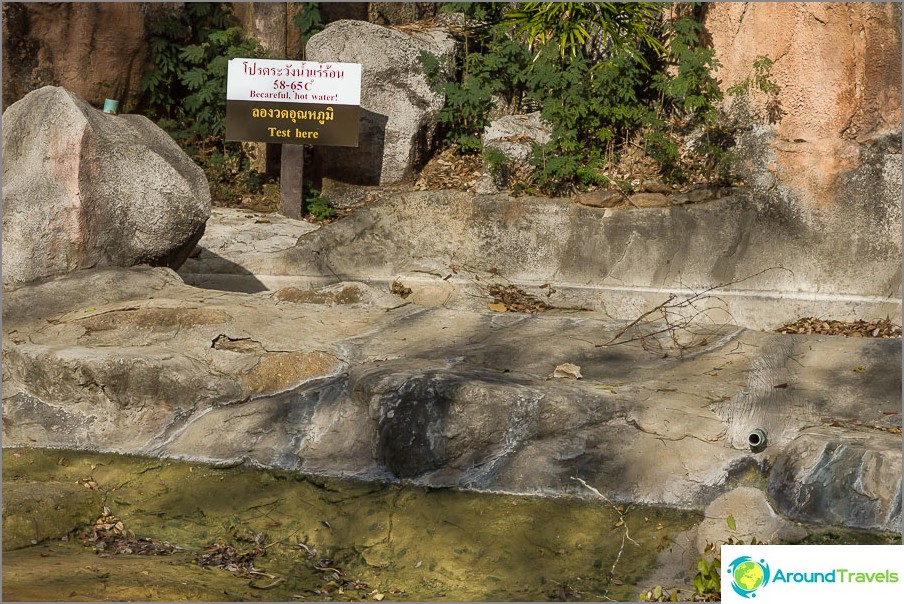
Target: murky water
point(403, 542)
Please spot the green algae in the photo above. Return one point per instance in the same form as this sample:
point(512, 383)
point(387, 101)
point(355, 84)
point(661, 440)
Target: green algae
point(404, 542)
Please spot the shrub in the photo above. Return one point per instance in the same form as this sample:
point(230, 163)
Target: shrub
point(606, 76)
point(185, 89)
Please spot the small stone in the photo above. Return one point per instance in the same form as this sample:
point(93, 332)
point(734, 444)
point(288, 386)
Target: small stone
point(653, 186)
point(601, 199)
point(695, 196)
point(649, 200)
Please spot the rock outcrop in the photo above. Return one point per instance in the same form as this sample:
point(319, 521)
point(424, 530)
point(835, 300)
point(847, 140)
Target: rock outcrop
point(96, 50)
point(827, 142)
point(775, 268)
point(350, 382)
point(398, 105)
point(82, 189)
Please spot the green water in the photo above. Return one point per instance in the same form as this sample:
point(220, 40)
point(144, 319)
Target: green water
point(404, 542)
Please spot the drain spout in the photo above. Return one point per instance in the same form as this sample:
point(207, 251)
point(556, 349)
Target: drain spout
point(757, 440)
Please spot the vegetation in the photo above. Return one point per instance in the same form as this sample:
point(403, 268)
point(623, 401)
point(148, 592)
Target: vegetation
point(307, 20)
point(318, 205)
point(184, 91)
point(617, 82)
point(608, 77)
point(760, 83)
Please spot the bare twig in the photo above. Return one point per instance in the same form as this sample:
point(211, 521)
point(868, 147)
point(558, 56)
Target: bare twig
point(675, 317)
point(626, 536)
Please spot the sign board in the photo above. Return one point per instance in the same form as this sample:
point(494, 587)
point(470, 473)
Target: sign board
point(294, 102)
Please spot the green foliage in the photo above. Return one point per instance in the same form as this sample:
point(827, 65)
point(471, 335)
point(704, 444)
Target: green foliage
point(708, 580)
point(761, 78)
point(307, 20)
point(570, 26)
point(318, 206)
point(491, 65)
point(760, 82)
point(185, 89)
point(190, 49)
point(605, 75)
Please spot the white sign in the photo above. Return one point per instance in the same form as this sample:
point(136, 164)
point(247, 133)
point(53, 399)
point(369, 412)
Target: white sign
point(812, 573)
point(294, 82)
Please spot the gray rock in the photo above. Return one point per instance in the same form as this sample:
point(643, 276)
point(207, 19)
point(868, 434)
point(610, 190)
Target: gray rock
point(514, 135)
point(336, 382)
point(619, 262)
point(695, 195)
point(653, 186)
point(752, 516)
point(822, 476)
point(511, 139)
point(84, 189)
point(398, 105)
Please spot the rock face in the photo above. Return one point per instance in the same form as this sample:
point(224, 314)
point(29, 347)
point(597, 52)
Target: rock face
point(133, 360)
point(84, 189)
point(829, 141)
point(398, 106)
point(96, 50)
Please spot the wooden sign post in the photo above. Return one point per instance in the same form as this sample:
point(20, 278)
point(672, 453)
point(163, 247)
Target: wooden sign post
point(294, 103)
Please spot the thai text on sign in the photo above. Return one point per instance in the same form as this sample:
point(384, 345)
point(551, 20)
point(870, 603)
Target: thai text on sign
point(295, 102)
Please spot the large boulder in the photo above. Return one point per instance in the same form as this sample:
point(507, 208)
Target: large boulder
point(82, 189)
point(398, 105)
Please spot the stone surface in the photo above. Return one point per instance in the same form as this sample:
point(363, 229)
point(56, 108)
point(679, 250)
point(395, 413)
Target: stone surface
point(649, 200)
point(753, 518)
point(77, 46)
point(838, 64)
point(820, 475)
point(243, 249)
point(36, 512)
point(397, 105)
point(697, 195)
point(832, 146)
point(775, 266)
point(601, 199)
point(132, 360)
point(84, 189)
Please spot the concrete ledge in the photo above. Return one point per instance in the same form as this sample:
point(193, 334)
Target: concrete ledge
point(774, 265)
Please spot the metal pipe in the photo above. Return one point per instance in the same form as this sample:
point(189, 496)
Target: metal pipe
point(757, 439)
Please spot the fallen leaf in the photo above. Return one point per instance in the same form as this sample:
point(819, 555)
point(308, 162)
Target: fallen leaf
point(567, 370)
point(497, 307)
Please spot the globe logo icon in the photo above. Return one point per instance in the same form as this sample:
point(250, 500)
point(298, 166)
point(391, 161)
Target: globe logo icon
point(748, 575)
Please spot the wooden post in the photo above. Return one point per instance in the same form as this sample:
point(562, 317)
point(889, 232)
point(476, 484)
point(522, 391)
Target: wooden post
point(290, 174)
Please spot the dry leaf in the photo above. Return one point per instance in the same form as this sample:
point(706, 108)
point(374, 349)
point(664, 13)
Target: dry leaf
point(567, 370)
point(497, 307)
